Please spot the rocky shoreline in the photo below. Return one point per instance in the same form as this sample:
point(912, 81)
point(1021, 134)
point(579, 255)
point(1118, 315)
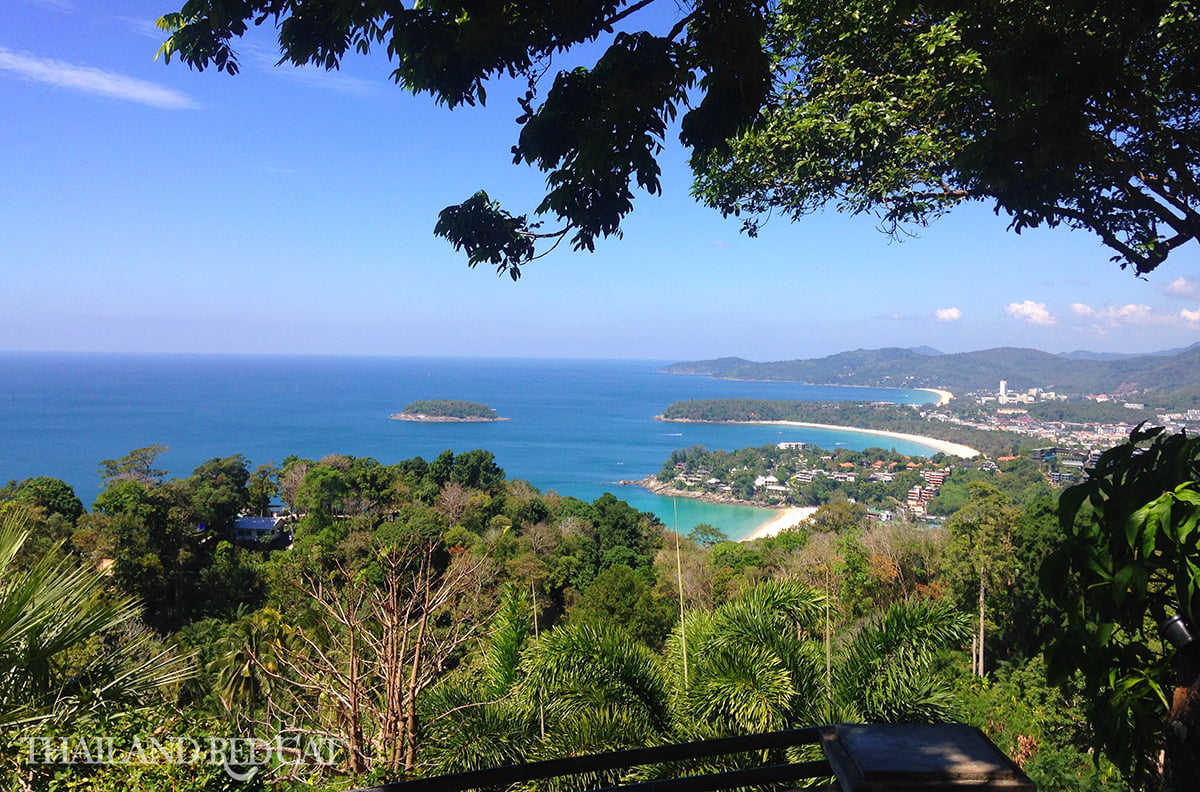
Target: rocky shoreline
point(657, 487)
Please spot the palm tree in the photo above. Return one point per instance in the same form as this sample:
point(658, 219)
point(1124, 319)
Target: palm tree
point(750, 664)
point(766, 661)
point(579, 688)
point(593, 674)
point(50, 613)
point(250, 662)
point(758, 663)
point(762, 662)
point(477, 717)
point(884, 671)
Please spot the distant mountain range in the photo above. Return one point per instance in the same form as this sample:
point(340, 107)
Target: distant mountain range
point(1078, 354)
point(1172, 375)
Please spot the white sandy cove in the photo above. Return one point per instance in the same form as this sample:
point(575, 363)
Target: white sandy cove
point(944, 396)
point(945, 446)
point(786, 519)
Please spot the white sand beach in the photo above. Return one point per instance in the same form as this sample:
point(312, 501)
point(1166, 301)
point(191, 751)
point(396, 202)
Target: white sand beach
point(945, 446)
point(944, 396)
point(786, 519)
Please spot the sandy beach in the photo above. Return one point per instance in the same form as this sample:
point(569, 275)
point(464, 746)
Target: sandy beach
point(944, 396)
point(945, 446)
point(786, 519)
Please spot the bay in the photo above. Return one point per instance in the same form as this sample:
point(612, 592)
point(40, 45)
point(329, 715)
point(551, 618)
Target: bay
point(576, 426)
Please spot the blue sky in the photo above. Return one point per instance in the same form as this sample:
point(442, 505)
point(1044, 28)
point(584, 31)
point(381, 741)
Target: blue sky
point(149, 208)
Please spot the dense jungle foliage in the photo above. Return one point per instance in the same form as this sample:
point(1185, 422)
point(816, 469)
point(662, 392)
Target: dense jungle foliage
point(435, 616)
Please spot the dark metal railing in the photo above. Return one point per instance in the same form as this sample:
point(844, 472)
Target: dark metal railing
point(662, 754)
point(862, 758)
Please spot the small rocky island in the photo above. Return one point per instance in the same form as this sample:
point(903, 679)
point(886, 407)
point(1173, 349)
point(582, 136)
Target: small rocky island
point(447, 411)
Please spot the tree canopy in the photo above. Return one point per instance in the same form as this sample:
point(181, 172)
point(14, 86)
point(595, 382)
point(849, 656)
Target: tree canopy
point(437, 616)
point(1074, 113)
point(1128, 562)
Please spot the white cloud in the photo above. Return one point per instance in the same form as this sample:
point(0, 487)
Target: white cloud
point(316, 77)
point(94, 81)
point(54, 5)
point(1131, 314)
point(1034, 313)
point(948, 314)
point(1190, 316)
point(267, 61)
point(145, 27)
point(1182, 287)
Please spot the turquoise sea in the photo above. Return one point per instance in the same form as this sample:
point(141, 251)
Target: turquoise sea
point(577, 426)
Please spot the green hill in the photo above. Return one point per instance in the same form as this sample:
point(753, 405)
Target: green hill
point(964, 372)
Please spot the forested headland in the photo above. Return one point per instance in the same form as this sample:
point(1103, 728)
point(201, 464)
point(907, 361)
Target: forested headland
point(874, 478)
point(435, 616)
point(861, 415)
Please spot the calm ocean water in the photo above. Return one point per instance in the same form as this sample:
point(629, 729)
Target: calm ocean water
point(577, 426)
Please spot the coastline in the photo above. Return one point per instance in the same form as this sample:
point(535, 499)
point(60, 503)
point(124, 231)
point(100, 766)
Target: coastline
point(783, 519)
point(653, 485)
point(944, 396)
point(787, 518)
point(944, 446)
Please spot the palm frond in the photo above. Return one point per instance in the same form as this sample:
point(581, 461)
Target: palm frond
point(594, 666)
point(774, 603)
point(501, 656)
point(752, 663)
point(474, 734)
point(744, 691)
point(594, 731)
point(884, 672)
point(47, 613)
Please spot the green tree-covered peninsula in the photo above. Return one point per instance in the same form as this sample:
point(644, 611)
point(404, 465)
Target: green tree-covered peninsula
point(851, 415)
